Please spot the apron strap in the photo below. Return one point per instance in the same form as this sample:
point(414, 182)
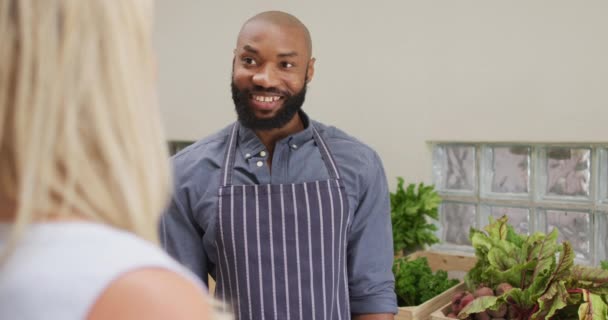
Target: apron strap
point(229, 158)
point(330, 163)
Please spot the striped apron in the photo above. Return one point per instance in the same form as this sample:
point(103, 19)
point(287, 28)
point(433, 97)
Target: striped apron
point(282, 248)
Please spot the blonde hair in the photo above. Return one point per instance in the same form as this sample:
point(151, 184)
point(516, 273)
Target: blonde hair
point(80, 133)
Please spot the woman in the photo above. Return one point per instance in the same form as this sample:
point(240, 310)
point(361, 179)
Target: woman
point(83, 167)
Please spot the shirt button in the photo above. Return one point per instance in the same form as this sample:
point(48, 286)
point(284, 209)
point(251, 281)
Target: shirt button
point(294, 146)
point(263, 154)
point(247, 156)
point(260, 163)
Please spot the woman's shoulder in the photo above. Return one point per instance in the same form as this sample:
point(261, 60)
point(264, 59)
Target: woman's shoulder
point(151, 293)
point(90, 264)
point(150, 285)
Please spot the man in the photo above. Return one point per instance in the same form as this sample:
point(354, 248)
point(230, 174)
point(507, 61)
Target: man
point(291, 217)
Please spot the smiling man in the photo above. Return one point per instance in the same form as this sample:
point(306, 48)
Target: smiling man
point(290, 216)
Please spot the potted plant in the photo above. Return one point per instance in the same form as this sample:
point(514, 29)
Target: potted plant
point(416, 283)
point(421, 278)
point(411, 210)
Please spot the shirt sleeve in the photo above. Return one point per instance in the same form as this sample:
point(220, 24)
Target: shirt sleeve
point(182, 238)
point(370, 246)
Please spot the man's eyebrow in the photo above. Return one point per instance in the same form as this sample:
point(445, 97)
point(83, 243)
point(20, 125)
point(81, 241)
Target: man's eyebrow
point(287, 54)
point(251, 49)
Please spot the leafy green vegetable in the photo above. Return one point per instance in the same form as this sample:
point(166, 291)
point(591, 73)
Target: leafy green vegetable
point(598, 311)
point(544, 286)
point(410, 209)
point(416, 283)
point(481, 304)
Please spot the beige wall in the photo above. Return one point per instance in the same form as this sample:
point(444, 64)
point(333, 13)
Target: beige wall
point(397, 74)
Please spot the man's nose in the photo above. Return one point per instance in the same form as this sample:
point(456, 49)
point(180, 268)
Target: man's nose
point(266, 77)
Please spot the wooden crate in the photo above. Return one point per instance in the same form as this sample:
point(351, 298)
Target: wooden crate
point(456, 264)
point(440, 314)
point(424, 311)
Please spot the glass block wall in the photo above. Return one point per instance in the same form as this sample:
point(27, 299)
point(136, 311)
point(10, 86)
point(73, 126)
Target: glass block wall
point(538, 186)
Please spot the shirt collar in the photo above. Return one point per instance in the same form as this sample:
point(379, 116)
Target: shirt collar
point(250, 145)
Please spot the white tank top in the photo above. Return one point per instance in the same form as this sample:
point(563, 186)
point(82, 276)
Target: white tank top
point(60, 269)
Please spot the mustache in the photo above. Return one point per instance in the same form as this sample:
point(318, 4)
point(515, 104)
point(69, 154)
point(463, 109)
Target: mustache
point(259, 89)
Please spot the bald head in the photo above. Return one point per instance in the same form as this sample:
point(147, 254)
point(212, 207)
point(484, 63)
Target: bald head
point(281, 20)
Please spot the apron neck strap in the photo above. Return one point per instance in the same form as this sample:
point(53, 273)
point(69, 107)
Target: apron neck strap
point(229, 158)
point(328, 158)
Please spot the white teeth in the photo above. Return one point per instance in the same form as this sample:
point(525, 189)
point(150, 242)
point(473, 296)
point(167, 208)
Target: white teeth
point(266, 99)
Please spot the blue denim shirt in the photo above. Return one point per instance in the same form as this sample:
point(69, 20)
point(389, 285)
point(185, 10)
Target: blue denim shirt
point(188, 226)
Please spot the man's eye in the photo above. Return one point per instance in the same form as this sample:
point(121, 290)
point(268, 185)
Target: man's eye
point(249, 61)
point(287, 65)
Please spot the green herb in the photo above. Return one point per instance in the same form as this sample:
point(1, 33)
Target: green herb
point(416, 283)
point(409, 211)
point(544, 286)
point(604, 265)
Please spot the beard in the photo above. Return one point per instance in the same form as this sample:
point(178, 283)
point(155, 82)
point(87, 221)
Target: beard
point(292, 104)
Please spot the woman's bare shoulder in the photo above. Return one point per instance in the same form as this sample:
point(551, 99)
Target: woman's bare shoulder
point(152, 293)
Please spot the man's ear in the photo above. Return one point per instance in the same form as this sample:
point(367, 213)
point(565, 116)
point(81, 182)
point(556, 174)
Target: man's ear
point(310, 72)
